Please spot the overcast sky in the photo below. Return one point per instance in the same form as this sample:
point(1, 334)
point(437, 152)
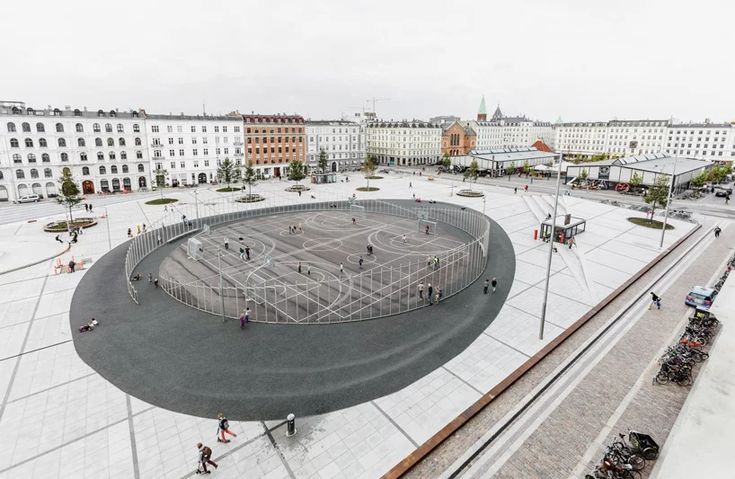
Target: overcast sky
point(578, 60)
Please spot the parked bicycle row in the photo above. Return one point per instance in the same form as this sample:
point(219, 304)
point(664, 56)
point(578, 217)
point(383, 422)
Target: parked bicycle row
point(625, 459)
point(723, 278)
point(679, 360)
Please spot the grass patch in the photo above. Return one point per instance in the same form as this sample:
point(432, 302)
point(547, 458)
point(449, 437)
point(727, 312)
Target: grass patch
point(374, 177)
point(227, 190)
point(365, 188)
point(254, 198)
point(61, 226)
point(471, 193)
point(657, 225)
point(161, 201)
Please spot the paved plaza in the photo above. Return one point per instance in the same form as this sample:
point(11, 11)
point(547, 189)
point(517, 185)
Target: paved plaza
point(60, 418)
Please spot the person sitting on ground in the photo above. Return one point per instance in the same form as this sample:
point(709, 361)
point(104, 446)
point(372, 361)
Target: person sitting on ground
point(89, 326)
point(136, 277)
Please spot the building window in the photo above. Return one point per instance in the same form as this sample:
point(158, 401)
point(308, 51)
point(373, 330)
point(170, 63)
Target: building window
point(81, 142)
point(62, 142)
point(45, 158)
point(29, 143)
point(125, 168)
point(103, 170)
point(82, 156)
point(64, 157)
point(13, 143)
point(108, 127)
point(111, 155)
point(120, 128)
point(31, 158)
point(96, 128)
point(19, 174)
point(79, 128)
point(41, 129)
point(139, 154)
point(11, 127)
point(141, 168)
point(110, 142)
point(136, 128)
point(47, 173)
point(42, 142)
point(17, 158)
point(138, 142)
point(181, 152)
point(85, 170)
point(26, 127)
point(193, 129)
point(194, 152)
point(100, 156)
point(121, 141)
point(154, 129)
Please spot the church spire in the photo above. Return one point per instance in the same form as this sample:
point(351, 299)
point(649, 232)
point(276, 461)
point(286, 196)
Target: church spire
point(482, 111)
point(498, 115)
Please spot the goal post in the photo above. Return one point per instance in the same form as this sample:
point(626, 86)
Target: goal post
point(424, 224)
point(194, 249)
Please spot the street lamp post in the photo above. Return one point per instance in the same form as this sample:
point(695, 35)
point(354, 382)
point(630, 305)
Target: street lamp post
point(221, 294)
point(196, 202)
point(107, 218)
point(551, 252)
point(668, 202)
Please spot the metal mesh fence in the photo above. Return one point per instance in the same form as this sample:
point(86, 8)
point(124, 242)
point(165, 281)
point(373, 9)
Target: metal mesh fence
point(389, 289)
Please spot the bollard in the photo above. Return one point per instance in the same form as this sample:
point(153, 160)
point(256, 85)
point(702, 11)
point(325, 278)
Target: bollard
point(290, 425)
point(535, 234)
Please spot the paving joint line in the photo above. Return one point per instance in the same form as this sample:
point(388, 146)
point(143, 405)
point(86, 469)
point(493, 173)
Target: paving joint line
point(31, 351)
point(462, 380)
point(50, 388)
point(390, 419)
point(278, 450)
point(506, 344)
point(133, 444)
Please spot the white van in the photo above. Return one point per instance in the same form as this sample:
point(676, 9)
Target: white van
point(28, 199)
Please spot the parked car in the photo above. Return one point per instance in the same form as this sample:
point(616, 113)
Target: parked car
point(723, 191)
point(700, 297)
point(28, 199)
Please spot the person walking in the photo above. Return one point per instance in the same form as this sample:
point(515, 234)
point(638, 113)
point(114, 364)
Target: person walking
point(150, 278)
point(341, 268)
point(205, 457)
point(227, 244)
point(430, 290)
point(137, 229)
point(655, 300)
point(437, 295)
point(485, 286)
point(299, 267)
point(308, 269)
point(242, 253)
point(72, 265)
point(155, 282)
point(525, 188)
point(360, 262)
point(58, 238)
point(404, 239)
point(410, 185)
point(515, 190)
point(718, 230)
point(159, 240)
point(244, 318)
point(130, 233)
point(421, 289)
point(224, 427)
point(494, 283)
point(247, 252)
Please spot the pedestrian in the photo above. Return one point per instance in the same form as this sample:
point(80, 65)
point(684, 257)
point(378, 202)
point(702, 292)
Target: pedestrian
point(301, 229)
point(155, 282)
point(183, 219)
point(494, 283)
point(308, 269)
point(354, 221)
point(244, 319)
point(414, 195)
point(429, 260)
point(165, 208)
point(341, 268)
point(430, 290)
point(58, 238)
point(717, 232)
point(205, 457)
point(86, 207)
point(515, 190)
point(150, 278)
point(224, 427)
point(247, 252)
point(227, 244)
point(158, 239)
point(485, 286)
point(727, 199)
point(90, 207)
point(299, 193)
point(525, 188)
point(655, 300)
point(360, 262)
point(410, 185)
point(242, 253)
point(72, 265)
point(137, 229)
point(427, 229)
point(421, 289)
point(299, 267)
point(143, 227)
point(404, 238)
point(130, 233)
point(290, 229)
point(437, 295)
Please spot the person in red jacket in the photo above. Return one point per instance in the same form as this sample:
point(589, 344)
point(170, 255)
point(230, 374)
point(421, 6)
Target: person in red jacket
point(224, 427)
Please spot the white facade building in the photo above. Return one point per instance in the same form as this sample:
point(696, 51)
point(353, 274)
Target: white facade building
point(404, 143)
point(510, 132)
point(190, 148)
point(105, 151)
point(342, 141)
point(709, 141)
point(614, 138)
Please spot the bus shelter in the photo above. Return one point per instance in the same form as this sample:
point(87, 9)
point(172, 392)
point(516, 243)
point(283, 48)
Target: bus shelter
point(564, 228)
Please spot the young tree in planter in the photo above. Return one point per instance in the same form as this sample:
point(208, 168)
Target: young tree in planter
point(636, 181)
point(160, 175)
point(446, 161)
point(228, 172)
point(526, 167)
point(509, 170)
point(699, 180)
point(323, 160)
point(368, 168)
point(471, 172)
point(296, 171)
point(249, 177)
point(69, 194)
point(658, 194)
point(583, 175)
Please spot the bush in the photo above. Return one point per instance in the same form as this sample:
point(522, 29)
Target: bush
point(657, 225)
point(365, 188)
point(61, 226)
point(227, 190)
point(254, 198)
point(161, 201)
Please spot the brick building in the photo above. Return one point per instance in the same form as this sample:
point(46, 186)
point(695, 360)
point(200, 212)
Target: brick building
point(458, 140)
point(273, 141)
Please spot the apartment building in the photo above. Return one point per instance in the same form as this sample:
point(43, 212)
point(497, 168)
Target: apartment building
point(708, 141)
point(404, 143)
point(614, 138)
point(342, 141)
point(273, 141)
point(502, 131)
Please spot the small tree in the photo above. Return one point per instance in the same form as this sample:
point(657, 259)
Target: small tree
point(583, 175)
point(636, 180)
point(446, 161)
point(509, 170)
point(699, 180)
point(368, 168)
point(296, 171)
point(322, 160)
point(526, 167)
point(161, 175)
point(69, 193)
point(249, 177)
point(471, 172)
point(228, 172)
point(658, 194)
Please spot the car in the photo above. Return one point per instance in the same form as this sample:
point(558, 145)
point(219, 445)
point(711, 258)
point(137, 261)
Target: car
point(700, 297)
point(722, 191)
point(28, 199)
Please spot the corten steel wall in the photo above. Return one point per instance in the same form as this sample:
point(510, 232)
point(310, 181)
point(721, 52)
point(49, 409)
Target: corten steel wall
point(381, 291)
